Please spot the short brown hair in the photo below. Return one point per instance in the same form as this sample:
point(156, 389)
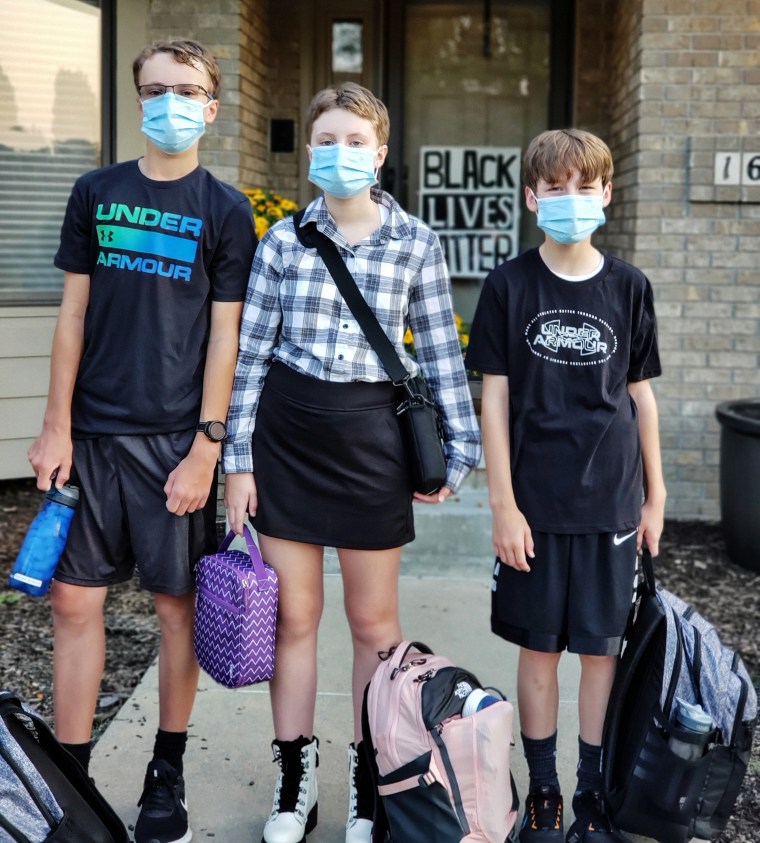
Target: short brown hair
point(556, 153)
point(183, 52)
point(353, 98)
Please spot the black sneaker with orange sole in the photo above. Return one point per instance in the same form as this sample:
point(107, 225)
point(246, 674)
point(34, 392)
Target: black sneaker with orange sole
point(542, 821)
point(592, 824)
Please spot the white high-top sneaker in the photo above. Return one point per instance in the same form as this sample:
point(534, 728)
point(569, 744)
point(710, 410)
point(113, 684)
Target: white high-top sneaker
point(361, 800)
point(294, 811)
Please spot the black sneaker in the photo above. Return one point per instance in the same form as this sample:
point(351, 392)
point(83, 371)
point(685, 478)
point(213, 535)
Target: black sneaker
point(592, 825)
point(163, 818)
point(542, 822)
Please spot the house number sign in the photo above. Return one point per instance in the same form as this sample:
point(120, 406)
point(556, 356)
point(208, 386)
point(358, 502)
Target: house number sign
point(737, 168)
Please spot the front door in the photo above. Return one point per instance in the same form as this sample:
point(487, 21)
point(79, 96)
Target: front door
point(469, 84)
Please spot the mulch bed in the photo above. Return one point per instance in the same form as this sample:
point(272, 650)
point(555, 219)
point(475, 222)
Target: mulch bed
point(692, 564)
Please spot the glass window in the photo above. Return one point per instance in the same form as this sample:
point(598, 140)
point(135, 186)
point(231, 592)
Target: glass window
point(476, 90)
point(50, 82)
point(347, 53)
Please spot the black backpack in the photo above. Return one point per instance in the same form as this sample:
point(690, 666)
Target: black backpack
point(45, 794)
point(651, 786)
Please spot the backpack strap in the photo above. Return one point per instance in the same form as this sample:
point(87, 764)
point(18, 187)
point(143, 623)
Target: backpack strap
point(312, 238)
point(380, 827)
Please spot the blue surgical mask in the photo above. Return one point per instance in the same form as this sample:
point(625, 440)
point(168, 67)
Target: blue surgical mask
point(570, 218)
point(173, 123)
point(342, 171)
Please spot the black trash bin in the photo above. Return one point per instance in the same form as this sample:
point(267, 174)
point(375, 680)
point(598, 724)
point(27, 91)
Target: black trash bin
point(740, 480)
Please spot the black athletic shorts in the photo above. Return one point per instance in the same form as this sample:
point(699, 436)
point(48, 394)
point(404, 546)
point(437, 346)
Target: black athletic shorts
point(578, 594)
point(122, 521)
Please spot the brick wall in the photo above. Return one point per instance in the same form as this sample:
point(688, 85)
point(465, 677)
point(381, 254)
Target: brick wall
point(684, 78)
point(236, 31)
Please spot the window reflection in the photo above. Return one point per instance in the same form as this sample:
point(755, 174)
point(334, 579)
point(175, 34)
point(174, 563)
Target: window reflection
point(49, 131)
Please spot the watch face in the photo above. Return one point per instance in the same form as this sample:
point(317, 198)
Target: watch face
point(216, 431)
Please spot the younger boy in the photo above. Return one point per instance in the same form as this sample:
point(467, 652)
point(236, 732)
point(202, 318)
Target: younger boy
point(566, 339)
point(156, 255)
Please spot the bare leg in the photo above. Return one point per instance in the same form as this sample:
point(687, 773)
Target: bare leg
point(177, 667)
point(597, 675)
point(370, 584)
point(293, 689)
point(538, 693)
point(79, 650)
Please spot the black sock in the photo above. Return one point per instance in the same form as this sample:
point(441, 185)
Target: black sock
point(170, 746)
point(81, 751)
point(589, 766)
point(541, 756)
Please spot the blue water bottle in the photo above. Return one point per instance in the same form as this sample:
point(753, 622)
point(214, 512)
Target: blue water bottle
point(44, 542)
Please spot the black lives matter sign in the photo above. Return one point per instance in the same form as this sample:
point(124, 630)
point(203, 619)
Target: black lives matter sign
point(469, 197)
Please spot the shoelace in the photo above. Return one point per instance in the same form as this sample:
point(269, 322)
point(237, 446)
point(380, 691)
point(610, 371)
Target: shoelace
point(545, 811)
point(157, 792)
point(591, 808)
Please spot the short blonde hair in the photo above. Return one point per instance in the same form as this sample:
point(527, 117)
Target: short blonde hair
point(557, 152)
point(183, 52)
point(353, 98)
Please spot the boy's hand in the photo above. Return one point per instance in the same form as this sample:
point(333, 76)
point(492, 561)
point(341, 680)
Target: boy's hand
point(651, 526)
point(512, 539)
point(51, 455)
point(240, 499)
point(189, 485)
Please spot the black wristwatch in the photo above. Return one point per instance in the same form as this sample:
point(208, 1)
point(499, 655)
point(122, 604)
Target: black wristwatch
point(215, 430)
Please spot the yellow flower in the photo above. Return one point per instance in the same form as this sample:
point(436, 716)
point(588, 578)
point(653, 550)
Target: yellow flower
point(268, 208)
point(262, 226)
point(408, 338)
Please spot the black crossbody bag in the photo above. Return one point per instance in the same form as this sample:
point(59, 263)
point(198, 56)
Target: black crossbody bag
point(421, 426)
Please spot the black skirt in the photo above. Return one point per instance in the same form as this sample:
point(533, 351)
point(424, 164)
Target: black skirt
point(329, 463)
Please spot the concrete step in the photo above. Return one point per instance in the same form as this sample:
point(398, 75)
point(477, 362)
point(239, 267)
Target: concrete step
point(453, 539)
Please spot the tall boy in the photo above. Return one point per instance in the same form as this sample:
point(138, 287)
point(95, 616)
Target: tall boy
point(156, 255)
point(566, 339)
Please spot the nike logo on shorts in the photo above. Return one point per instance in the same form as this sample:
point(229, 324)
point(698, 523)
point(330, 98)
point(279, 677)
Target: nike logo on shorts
point(618, 540)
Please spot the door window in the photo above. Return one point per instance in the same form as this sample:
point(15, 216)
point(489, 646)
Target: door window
point(476, 78)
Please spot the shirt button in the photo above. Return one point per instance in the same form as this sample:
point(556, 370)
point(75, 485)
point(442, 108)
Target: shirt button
point(340, 357)
point(345, 324)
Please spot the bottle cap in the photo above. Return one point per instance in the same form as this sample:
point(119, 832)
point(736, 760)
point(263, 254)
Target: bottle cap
point(67, 495)
point(692, 716)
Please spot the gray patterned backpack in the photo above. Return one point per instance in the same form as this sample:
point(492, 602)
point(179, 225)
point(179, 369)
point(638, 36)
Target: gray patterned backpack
point(44, 792)
point(663, 780)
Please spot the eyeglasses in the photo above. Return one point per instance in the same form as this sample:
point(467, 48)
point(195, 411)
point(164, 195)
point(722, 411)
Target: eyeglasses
point(191, 92)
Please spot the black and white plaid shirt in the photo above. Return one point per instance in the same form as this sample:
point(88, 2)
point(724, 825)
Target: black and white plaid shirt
point(294, 314)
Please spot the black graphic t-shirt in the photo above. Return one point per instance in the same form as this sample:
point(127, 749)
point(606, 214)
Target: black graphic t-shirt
point(569, 349)
point(157, 253)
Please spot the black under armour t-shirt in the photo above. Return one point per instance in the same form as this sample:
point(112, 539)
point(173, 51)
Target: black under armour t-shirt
point(157, 253)
point(569, 349)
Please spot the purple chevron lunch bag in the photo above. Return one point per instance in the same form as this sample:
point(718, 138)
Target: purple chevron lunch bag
point(235, 614)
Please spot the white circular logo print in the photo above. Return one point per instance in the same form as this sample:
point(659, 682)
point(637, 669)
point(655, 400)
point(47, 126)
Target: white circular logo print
point(570, 337)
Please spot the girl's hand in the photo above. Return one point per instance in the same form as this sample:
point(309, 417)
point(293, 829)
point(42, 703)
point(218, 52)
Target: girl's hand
point(437, 497)
point(240, 499)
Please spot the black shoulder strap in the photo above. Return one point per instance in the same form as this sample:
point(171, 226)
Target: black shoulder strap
point(311, 237)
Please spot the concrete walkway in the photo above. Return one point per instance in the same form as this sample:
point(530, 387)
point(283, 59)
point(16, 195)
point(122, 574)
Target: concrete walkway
point(445, 603)
point(228, 769)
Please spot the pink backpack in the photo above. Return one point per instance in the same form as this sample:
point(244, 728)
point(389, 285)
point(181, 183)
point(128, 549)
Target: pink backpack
point(441, 777)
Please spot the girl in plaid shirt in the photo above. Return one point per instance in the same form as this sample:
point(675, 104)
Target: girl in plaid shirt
point(314, 452)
